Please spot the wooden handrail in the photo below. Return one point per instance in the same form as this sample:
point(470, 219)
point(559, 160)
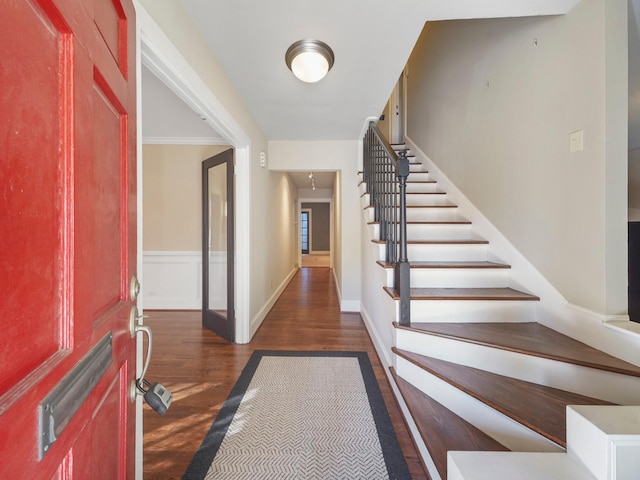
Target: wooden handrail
point(385, 174)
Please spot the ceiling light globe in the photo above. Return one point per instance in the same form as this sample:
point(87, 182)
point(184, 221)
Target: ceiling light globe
point(310, 67)
point(309, 60)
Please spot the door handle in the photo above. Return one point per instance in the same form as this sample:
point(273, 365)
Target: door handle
point(134, 328)
point(157, 396)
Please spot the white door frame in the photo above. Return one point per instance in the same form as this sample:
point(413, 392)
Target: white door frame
point(156, 51)
point(398, 110)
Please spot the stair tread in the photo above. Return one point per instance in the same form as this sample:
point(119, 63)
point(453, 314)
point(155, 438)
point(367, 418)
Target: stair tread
point(465, 241)
point(440, 428)
point(434, 222)
point(409, 207)
point(496, 293)
point(469, 264)
point(538, 407)
point(529, 338)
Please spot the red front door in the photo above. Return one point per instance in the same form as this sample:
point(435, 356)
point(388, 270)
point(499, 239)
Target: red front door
point(67, 238)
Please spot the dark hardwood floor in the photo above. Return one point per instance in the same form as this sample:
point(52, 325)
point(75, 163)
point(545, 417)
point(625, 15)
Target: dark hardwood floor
point(200, 368)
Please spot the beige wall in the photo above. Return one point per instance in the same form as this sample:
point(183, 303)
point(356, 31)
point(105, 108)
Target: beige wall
point(171, 196)
point(492, 103)
point(271, 202)
point(320, 226)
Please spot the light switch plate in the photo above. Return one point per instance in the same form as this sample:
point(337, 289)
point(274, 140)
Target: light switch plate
point(576, 141)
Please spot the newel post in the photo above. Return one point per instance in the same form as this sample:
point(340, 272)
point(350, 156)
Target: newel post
point(402, 270)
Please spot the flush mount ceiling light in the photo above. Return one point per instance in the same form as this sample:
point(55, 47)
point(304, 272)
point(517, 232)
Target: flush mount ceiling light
point(309, 60)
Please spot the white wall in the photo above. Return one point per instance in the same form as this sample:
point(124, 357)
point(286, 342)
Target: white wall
point(342, 157)
point(270, 194)
point(492, 103)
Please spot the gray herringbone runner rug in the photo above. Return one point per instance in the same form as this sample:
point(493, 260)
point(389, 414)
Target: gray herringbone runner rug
point(302, 415)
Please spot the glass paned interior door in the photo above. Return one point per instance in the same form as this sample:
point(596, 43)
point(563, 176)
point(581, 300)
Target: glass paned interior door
point(218, 312)
point(217, 261)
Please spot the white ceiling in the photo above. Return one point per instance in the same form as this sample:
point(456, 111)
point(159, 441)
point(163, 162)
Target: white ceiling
point(371, 39)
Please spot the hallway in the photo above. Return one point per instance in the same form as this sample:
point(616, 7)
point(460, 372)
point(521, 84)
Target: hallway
point(200, 369)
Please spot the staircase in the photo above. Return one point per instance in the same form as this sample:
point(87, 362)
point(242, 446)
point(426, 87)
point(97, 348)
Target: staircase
point(486, 390)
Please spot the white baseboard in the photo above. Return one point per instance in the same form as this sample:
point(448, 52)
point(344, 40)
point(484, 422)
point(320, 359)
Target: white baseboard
point(345, 305)
point(262, 314)
point(384, 352)
point(350, 305)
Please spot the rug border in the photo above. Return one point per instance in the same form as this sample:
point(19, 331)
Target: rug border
point(395, 462)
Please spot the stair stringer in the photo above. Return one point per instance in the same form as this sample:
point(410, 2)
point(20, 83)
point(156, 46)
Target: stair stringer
point(613, 334)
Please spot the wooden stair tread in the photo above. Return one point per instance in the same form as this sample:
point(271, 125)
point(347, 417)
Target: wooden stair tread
point(445, 205)
point(497, 293)
point(438, 192)
point(440, 428)
point(538, 407)
point(529, 338)
point(466, 241)
point(433, 222)
point(469, 264)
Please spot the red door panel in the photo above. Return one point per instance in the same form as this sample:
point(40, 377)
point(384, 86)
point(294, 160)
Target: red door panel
point(68, 232)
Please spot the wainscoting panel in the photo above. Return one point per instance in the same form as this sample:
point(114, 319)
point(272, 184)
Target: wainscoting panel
point(172, 280)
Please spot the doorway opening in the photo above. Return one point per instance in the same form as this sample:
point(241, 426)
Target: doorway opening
point(315, 233)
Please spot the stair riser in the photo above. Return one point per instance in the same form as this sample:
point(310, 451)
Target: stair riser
point(608, 386)
point(471, 311)
point(455, 277)
point(422, 187)
point(419, 232)
point(438, 214)
point(447, 252)
point(510, 433)
point(417, 175)
point(441, 252)
point(426, 200)
point(412, 189)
